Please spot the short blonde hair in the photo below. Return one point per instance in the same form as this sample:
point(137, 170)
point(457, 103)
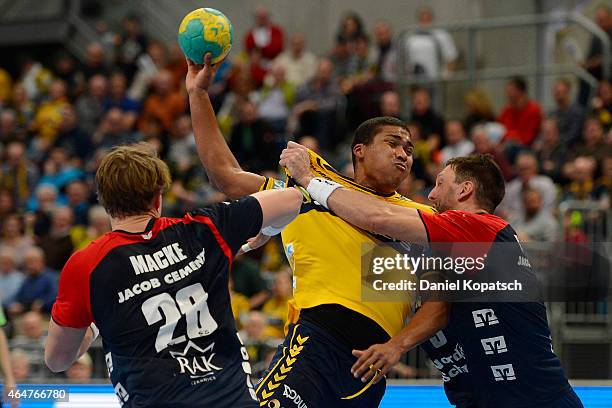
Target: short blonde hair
point(129, 178)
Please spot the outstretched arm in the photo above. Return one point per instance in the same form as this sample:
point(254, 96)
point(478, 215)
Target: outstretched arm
point(427, 321)
point(360, 209)
point(221, 166)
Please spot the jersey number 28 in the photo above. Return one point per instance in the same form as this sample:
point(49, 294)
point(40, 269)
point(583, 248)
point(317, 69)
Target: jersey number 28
point(191, 301)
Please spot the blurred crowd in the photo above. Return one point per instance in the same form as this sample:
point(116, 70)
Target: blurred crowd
point(59, 116)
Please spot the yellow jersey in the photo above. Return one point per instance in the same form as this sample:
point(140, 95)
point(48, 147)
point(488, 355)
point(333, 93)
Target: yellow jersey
point(324, 252)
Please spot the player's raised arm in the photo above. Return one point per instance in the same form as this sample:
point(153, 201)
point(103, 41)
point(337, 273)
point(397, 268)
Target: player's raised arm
point(221, 166)
point(371, 214)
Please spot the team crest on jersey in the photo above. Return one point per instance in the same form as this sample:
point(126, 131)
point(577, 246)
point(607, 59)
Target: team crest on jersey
point(200, 368)
point(289, 253)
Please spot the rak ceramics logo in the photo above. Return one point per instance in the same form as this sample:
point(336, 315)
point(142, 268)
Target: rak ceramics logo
point(200, 368)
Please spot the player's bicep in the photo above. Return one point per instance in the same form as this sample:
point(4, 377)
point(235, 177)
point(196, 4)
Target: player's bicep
point(237, 183)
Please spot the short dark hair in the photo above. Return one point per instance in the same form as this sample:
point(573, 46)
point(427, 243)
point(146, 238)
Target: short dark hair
point(519, 82)
point(481, 170)
point(367, 130)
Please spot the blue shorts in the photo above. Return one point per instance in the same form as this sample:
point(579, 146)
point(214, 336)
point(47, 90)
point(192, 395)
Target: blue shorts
point(311, 369)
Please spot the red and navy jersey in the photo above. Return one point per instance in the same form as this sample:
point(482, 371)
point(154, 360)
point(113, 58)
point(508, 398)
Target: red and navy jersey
point(507, 345)
point(161, 302)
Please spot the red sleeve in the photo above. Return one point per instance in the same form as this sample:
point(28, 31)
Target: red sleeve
point(460, 226)
point(72, 307)
point(249, 41)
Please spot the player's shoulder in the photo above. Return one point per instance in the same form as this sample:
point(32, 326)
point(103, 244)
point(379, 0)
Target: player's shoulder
point(491, 221)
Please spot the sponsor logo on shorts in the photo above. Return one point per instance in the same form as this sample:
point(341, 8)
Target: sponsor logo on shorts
point(494, 345)
point(484, 317)
point(503, 372)
point(438, 339)
point(294, 397)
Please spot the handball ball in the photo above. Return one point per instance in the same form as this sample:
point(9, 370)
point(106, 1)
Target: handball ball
point(203, 31)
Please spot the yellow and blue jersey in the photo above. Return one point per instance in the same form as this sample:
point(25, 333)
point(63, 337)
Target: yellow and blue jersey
point(324, 252)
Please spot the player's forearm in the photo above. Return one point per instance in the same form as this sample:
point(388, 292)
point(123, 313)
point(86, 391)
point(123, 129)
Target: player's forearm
point(87, 340)
point(5, 359)
point(377, 216)
point(215, 155)
point(431, 318)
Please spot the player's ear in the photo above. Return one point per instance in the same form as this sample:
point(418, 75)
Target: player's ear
point(358, 150)
point(466, 190)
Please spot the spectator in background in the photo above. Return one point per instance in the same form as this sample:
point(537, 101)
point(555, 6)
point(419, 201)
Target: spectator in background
point(340, 57)
point(9, 127)
point(583, 186)
point(149, 65)
point(48, 117)
point(40, 207)
point(275, 99)
point(385, 57)
point(31, 340)
point(390, 104)
point(6, 366)
point(17, 173)
point(81, 370)
point(602, 104)
point(72, 138)
point(59, 170)
point(112, 131)
point(182, 147)
point(21, 366)
point(351, 27)
point(252, 141)
point(117, 98)
point(165, 103)
point(593, 141)
point(77, 194)
point(528, 178)
point(23, 105)
point(479, 109)
point(431, 53)
point(39, 288)
point(522, 116)
point(6, 86)
point(550, 151)
point(65, 68)
point(90, 106)
point(534, 223)
point(10, 278)
point(606, 174)
point(7, 205)
point(248, 281)
point(431, 123)
point(265, 36)
point(95, 61)
point(299, 64)
point(254, 337)
point(14, 239)
point(57, 243)
point(594, 63)
point(98, 225)
point(569, 116)
point(457, 144)
point(276, 308)
point(130, 44)
point(317, 103)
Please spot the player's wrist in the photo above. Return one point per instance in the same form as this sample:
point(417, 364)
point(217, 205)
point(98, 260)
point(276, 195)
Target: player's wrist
point(320, 189)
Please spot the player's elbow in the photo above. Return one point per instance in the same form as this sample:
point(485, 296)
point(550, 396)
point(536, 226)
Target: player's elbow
point(56, 362)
